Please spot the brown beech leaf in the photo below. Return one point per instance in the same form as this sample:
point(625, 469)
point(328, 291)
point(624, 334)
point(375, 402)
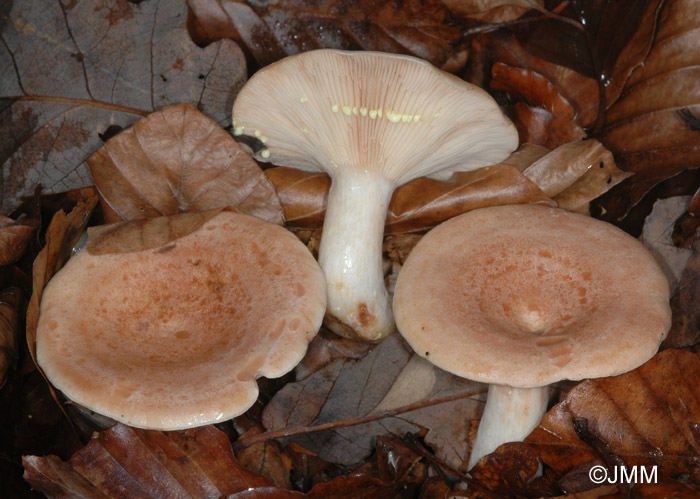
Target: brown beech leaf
point(388, 377)
point(603, 46)
point(417, 205)
point(10, 300)
point(76, 70)
point(580, 91)
point(13, 239)
point(537, 125)
point(266, 459)
point(128, 462)
point(271, 31)
point(647, 417)
point(532, 88)
point(327, 347)
point(654, 127)
point(178, 160)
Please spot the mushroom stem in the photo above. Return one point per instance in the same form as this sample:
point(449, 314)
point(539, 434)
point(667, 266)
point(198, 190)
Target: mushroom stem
point(351, 257)
point(509, 416)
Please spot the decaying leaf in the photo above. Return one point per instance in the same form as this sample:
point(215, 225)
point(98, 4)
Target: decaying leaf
point(388, 377)
point(647, 417)
point(178, 160)
point(10, 300)
point(271, 31)
point(14, 238)
point(327, 347)
point(539, 126)
point(128, 462)
point(268, 460)
point(75, 70)
point(654, 127)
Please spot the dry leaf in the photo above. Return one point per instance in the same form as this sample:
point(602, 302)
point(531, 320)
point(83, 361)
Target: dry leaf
point(128, 462)
point(13, 240)
point(178, 160)
point(388, 377)
point(271, 31)
point(73, 70)
point(268, 460)
point(654, 128)
point(579, 90)
point(10, 300)
point(538, 126)
point(647, 417)
point(327, 347)
point(417, 205)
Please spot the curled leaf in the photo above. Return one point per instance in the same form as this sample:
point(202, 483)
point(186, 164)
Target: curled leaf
point(128, 462)
point(576, 173)
point(178, 160)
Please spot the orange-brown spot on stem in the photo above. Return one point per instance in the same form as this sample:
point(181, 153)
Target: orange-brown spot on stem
point(365, 316)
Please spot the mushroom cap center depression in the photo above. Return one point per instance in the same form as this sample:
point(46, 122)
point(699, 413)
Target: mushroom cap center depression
point(538, 291)
point(526, 295)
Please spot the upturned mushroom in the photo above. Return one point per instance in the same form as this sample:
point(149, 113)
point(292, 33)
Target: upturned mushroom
point(372, 121)
point(173, 335)
point(523, 296)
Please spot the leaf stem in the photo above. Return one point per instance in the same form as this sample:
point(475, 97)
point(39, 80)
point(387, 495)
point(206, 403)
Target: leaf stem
point(82, 102)
point(270, 435)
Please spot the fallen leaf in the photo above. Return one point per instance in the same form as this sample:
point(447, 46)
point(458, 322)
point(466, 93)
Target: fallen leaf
point(327, 347)
point(14, 238)
point(643, 418)
point(128, 462)
point(654, 129)
point(268, 460)
point(73, 70)
point(532, 88)
point(538, 126)
point(511, 471)
point(178, 160)
point(579, 90)
point(656, 236)
point(271, 31)
point(417, 205)
point(575, 173)
point(601, 46)
point(10, 300)
point(388, 377)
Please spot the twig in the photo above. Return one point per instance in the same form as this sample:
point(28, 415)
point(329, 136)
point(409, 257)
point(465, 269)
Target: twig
point(269, 435)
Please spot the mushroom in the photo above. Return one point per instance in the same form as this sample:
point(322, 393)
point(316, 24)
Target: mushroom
point(523, 296)
point(372, 121)
point(174, 336)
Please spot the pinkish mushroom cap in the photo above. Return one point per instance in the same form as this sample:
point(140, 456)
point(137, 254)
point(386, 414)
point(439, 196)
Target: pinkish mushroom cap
point(175, 336)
